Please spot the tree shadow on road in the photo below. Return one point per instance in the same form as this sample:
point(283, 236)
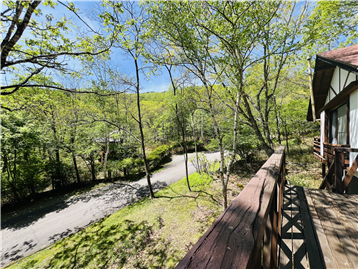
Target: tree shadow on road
point(127, 193)
point(103, 246)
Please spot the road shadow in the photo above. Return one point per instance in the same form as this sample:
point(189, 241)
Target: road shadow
point(16, 252)
point(112, 246)
point(128, 193)
point(59, 200)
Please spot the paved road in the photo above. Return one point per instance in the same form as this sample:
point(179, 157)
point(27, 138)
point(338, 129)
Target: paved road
point(26, 234)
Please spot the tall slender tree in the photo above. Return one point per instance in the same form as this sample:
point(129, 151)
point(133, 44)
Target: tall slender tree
point(129, 18)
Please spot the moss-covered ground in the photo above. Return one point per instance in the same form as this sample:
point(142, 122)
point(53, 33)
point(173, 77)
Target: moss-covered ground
point(303, 169)
point(147, 234)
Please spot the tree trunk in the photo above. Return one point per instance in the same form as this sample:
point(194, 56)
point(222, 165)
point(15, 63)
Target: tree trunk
point(4, 167)
point(93, 168)
point(268, 149)
point(74, 157)
point(14, 177)
point(12, 184)
point(224, 192)
point(286, 136)
point(57, 153)
point(195, 143)
point(185, 148)
point(201, 127)
point(222, 167)
point(221, 148)
point(141, 133)
point(182, 127)
point(105, 158)
point(76, 167)
point(234, 144)
point(277, 125)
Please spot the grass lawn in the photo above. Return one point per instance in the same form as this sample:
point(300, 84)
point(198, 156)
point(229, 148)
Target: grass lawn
point(159, 232)
point(148, 234)
point(303, 169)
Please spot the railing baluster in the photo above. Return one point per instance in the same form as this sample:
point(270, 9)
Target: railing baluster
point(339, 161)
point(274, 239)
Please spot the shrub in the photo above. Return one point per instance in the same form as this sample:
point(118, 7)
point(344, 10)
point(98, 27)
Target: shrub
point(203, 165)
point(59, 172)
point(127, 165)
point(157, 155)
point(197, 180)
point(31, 173)
point(161, 151)
point(153, 160)
point(213, 145)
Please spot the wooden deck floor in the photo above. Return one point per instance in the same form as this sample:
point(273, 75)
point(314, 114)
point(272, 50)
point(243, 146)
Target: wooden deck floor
point(319, 229)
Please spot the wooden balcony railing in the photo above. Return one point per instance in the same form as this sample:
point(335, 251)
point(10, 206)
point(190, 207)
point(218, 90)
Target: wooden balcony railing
point(329, 151)
point(339, 162)
point(246, 234)
point(317, 147)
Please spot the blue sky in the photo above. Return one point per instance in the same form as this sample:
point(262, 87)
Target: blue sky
point(158, 83)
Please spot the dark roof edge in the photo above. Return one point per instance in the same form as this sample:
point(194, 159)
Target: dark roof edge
point(345, 66)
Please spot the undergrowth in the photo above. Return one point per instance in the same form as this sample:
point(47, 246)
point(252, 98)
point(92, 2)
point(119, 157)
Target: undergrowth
point(153, 233)
point(303, 169)
point(158, 233)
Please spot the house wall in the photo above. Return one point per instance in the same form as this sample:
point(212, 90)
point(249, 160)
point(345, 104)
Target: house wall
point(327, 99)
point(334, 83)
point(323, 118)
point(353, 124)
point(340, 79)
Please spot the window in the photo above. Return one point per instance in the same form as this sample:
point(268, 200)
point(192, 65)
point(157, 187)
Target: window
point(338, 126)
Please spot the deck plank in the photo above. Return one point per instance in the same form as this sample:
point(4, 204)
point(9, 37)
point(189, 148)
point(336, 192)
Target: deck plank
point(298, 243)
point(339, 225)
point(347, 210)
point(345, 241)
point(325, 247)
point(314, 253)
point(325, 215)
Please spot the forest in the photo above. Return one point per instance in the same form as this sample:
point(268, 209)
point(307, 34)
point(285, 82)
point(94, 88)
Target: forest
point(73, 112)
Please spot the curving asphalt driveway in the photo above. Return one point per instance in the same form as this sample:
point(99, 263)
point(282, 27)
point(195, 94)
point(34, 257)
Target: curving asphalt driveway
point(26, 234)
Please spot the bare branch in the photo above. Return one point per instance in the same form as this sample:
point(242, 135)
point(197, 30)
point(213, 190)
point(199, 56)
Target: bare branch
point(6, 46)
point(119, 128)
point(17, 87)
point(78, 16)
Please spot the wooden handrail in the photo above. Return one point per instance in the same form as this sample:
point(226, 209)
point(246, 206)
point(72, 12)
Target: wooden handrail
point(336, 156)
point(336, 145)
point(346, 149)
point(339, 159)
point(248, 229)
point(351, 172)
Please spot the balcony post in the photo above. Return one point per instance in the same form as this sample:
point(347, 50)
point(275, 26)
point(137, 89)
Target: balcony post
point(339, 162)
